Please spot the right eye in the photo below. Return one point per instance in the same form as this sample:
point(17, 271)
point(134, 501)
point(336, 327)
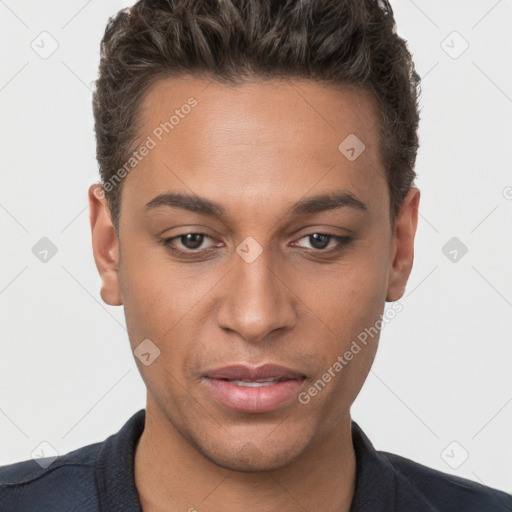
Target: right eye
point(190, 242)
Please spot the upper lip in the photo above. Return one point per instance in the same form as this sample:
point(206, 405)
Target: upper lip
point(245, 372)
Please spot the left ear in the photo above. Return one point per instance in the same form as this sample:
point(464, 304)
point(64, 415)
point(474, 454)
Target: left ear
point(403, 245)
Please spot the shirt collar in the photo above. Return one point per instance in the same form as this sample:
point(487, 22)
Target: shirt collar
point(115, 475)
point(375, 480)
point(115, 478)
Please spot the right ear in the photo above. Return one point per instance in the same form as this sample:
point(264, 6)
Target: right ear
point(105, 245)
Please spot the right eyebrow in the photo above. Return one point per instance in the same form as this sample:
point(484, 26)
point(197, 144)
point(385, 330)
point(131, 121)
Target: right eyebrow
point(186, 202)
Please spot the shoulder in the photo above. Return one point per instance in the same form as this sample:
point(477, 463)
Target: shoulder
point(94, 477)
point(51, 485)
point(444, 492)
point(386, 481)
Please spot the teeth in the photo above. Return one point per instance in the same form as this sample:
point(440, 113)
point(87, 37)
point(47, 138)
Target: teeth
point(255, 383)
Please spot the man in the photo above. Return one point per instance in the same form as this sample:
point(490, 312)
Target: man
point(256, 212)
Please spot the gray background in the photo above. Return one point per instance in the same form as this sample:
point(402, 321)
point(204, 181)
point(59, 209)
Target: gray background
point(440, 391)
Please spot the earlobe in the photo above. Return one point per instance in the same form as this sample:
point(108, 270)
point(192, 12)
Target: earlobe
point(403, 245)
point(105, 245)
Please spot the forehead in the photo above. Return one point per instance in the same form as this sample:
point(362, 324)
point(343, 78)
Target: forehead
point(255, 111)
point(265, 138)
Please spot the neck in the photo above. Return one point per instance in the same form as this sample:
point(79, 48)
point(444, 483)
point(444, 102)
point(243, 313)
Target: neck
point(171, 474)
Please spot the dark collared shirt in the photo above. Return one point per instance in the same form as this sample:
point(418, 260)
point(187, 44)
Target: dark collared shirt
point(100, 477)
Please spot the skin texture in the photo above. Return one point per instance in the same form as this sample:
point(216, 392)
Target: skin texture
point(256, 149)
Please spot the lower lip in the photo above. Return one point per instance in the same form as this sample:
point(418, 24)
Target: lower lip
point(254, 399)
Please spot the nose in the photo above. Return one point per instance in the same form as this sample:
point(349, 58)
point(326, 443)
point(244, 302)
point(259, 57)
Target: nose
point(256, 300)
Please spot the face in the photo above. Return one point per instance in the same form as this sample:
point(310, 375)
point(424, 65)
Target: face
point(249, 237)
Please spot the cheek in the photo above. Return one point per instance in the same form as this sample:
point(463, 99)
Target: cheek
point(350, 307)
point(156, 307)
point(153, 298)
point(161, 299)
point(348, 296)
point(345, 303)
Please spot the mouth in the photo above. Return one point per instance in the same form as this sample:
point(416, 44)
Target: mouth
point(255, 383)
point(254, 389)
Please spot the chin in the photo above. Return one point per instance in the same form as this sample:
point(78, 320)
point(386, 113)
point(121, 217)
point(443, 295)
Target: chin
point(247, 457)
point(250, 460)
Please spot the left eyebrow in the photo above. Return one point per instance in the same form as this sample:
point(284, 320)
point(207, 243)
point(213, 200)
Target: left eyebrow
point(335, 200)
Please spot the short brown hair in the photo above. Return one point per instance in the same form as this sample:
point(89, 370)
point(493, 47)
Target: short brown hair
point(350, 42)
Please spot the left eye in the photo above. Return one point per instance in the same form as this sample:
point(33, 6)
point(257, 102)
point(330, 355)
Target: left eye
point(320, 241)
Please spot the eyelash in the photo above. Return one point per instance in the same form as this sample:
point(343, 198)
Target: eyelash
point(342, 241)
